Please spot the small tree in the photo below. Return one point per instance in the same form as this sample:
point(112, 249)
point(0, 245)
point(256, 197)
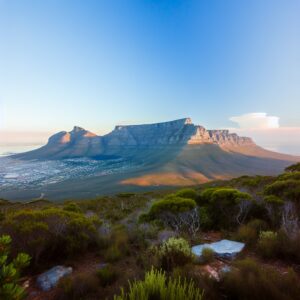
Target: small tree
point(10, 271)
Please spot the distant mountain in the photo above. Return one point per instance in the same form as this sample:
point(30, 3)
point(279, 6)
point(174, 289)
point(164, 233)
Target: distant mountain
point(165, 154)
point(82, 143)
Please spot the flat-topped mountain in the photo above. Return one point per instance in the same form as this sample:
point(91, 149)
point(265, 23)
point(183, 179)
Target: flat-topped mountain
point(166, 154)
point(82, 143)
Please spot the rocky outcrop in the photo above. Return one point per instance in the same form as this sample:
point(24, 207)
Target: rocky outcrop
point(48, 280)
point(225, 249)
point(82, 143)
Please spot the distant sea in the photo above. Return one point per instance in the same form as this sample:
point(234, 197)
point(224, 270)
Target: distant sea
point(13, 149)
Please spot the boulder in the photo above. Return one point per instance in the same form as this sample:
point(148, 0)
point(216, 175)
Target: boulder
point(223, 249)
point(49, 279)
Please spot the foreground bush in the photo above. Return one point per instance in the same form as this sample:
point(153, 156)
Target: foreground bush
point(249, 233)
point(10, 271)
point(107, 275)
point(50, 233)
point(248, 280)
point(118, 244)
point(268, 244)
point(157, 286)
point(78, 287)
point(174, 252)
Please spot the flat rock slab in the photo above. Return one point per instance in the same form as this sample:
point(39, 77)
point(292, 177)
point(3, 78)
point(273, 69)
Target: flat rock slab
point(224, 249)
point(46, 281)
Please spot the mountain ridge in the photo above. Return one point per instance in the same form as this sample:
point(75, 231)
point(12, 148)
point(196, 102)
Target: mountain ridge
point(82, 143)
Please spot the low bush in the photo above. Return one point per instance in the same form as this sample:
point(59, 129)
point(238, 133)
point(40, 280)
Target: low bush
point(174, 252)
point(249, 233)
point(71, 206)
point(78, 287)
point(268, 244)
point(207, 255)
point(118, 244)
point(113, 254)
point(157, 286)
point(107, 275)
point(248, 280)
point(246, 234)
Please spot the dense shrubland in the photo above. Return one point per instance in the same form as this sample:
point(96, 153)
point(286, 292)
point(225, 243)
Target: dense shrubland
point(146, 239)
point(50, 233)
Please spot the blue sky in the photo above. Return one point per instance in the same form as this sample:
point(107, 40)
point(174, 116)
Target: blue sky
point(99, 63)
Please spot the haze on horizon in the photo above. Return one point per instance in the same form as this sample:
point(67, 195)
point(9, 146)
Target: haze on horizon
point(226, 64)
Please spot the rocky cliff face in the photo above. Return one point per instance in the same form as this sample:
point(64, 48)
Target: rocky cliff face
point(178, 132)
point(82, 143)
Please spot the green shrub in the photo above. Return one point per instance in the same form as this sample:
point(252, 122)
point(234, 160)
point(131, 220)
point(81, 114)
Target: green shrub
point(258, 225)
point(205, 219)
point(174, 252)
point(157, 286)
point(10, 271)
point(171, 204)
point(207, 255)
point(251, 182)
point(107, 275)
point(222, 205)
point(248, 280)
point(247, 234)
point(292, 175)
point(78, 287)
point(268, 244)
point(205, 196)
point(113, 254)
point(287, 189)
point(187, 193)
point(274, 200)
point(71, 206)
point(50, 232)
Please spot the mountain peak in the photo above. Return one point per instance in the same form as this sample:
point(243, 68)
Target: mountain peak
point(77, 129)
point(188, 121)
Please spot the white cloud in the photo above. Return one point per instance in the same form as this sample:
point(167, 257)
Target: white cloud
point(256, 121)
point(266, 132)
